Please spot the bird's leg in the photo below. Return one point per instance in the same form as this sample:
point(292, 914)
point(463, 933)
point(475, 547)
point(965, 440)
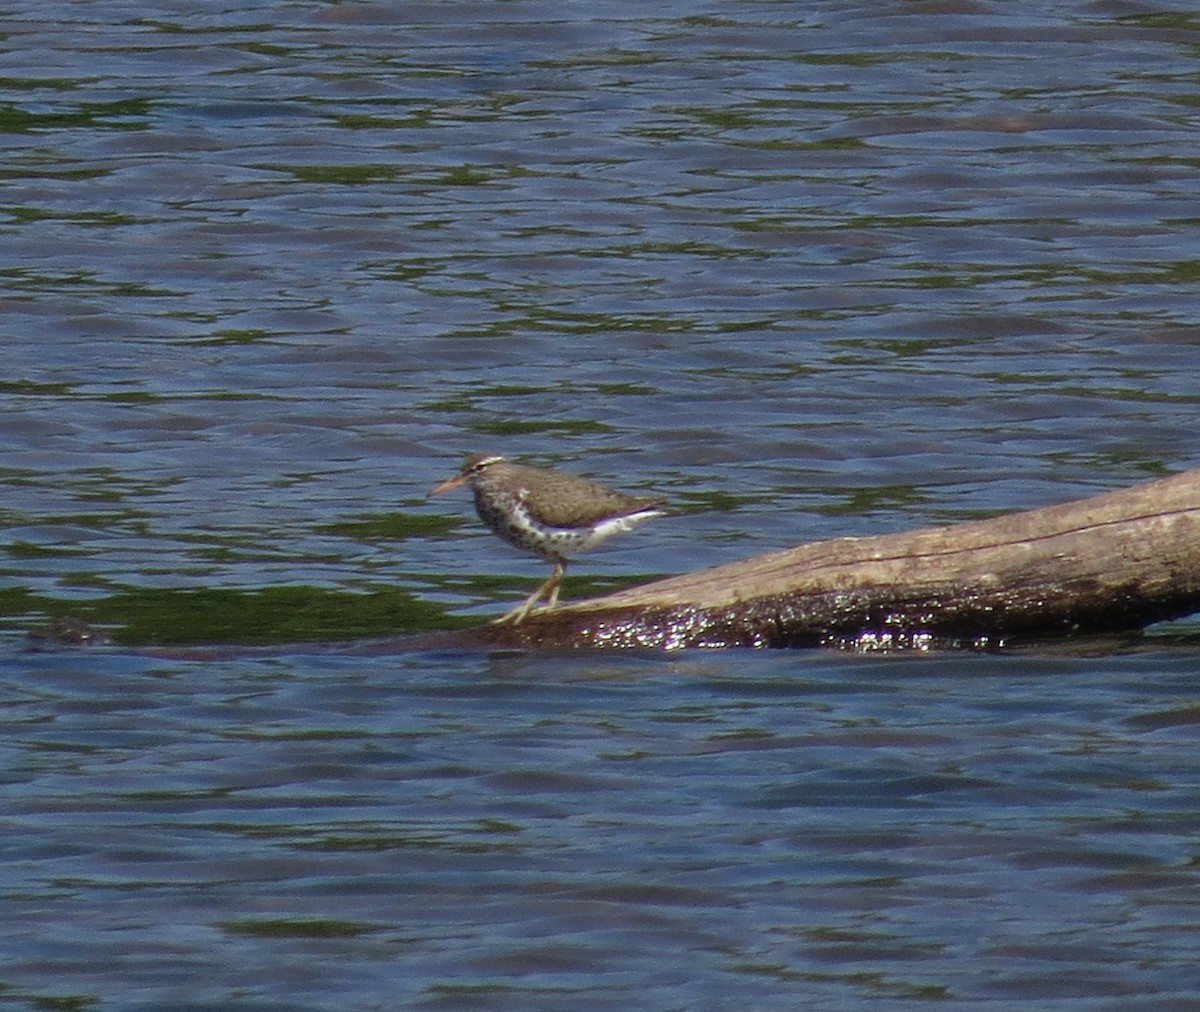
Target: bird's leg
point(550, 586)
point(555, 583)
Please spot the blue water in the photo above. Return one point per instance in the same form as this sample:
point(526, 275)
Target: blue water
point(522, 831)
point(808, 270)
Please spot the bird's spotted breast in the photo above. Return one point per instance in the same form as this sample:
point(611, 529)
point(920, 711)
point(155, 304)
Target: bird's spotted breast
point(509, 516)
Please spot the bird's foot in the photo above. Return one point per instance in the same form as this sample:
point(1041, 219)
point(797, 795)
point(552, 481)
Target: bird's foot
point(522, 611)
point(513, 617)
point(548, 590)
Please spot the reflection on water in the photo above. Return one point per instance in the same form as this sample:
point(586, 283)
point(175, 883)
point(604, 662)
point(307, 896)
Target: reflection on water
point(806, 270)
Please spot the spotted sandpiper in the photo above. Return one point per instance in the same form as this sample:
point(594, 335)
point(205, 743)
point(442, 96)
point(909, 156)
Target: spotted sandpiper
point(552, 513)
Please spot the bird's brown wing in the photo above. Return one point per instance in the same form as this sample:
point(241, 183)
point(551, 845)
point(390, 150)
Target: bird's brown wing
point(561, 499)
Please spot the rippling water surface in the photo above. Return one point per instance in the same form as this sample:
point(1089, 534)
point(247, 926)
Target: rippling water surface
point(706, 831)
point(806, 269)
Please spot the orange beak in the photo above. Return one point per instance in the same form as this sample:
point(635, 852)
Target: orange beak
point(446, 485)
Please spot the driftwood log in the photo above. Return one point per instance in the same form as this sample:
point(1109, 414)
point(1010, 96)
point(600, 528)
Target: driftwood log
point(1117, 561)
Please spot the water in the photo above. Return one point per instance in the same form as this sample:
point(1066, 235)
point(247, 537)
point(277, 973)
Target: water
point(460, 831)
point(808, 270)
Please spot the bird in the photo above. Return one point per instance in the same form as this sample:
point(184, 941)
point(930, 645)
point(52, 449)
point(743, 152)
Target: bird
point(552, 513)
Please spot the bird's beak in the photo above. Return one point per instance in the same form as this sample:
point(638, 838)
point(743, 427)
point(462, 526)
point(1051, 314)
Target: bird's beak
point(446, 485)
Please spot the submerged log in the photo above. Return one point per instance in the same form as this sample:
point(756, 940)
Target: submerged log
point(1114, 562)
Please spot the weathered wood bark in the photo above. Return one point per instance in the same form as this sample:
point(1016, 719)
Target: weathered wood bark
point(1117, 561)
